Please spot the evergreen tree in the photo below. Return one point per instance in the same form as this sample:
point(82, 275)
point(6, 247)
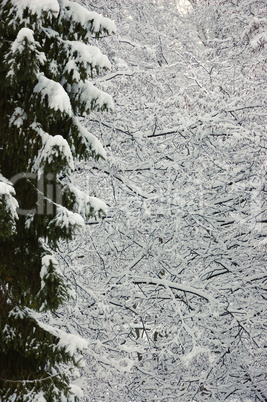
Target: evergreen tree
point(45, 63)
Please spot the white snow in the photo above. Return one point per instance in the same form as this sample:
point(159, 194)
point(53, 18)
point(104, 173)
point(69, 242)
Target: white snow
point(71, 66)
point(58, 99)
point(24, 33)
point(81, 15)
point(262, 243)
point(76, 391)
point(67, 219)
point(85, 203)
point(5, 186)
point(7, 191)
point(35, 6)
point(183, 7)
point(72, 343)
point(97, 204)
point(89, 95)
point(174, 285)
point(18, 117)
point(89, 54)
point(53, 147)
point(195, 352)
point(90, 140)
point(82, 54)
point(46, 261)
point(123, 365)
point(39, 397)
point(258, 39)
point(16, 312)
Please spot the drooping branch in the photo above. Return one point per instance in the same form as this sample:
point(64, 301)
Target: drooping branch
point(169, 284)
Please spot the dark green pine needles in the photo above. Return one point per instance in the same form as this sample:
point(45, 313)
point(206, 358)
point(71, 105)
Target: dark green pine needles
point(45, 64)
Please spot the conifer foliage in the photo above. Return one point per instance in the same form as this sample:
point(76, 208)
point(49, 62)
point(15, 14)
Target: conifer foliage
point(46, 61)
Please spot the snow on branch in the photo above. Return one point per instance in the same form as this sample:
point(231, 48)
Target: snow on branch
point(47, 260)
point(18, 117)
point(66, 220)
point(8, 191)
point(91, 20)
point(85, 205)
point(57, 97)
point(24, 49)
point(52, 284)
point(55, 148)
point(90, 140)
point(24, 34)
point(92, 98)
point(88, 54)
point(35, 7)
point(123, 365)
point(173, 285)
point(8, 201)
point(73, 343)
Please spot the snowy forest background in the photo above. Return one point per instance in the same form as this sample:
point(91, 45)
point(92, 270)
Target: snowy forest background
point(170, 285)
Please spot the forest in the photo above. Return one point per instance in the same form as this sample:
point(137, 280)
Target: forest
point(133, 200)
